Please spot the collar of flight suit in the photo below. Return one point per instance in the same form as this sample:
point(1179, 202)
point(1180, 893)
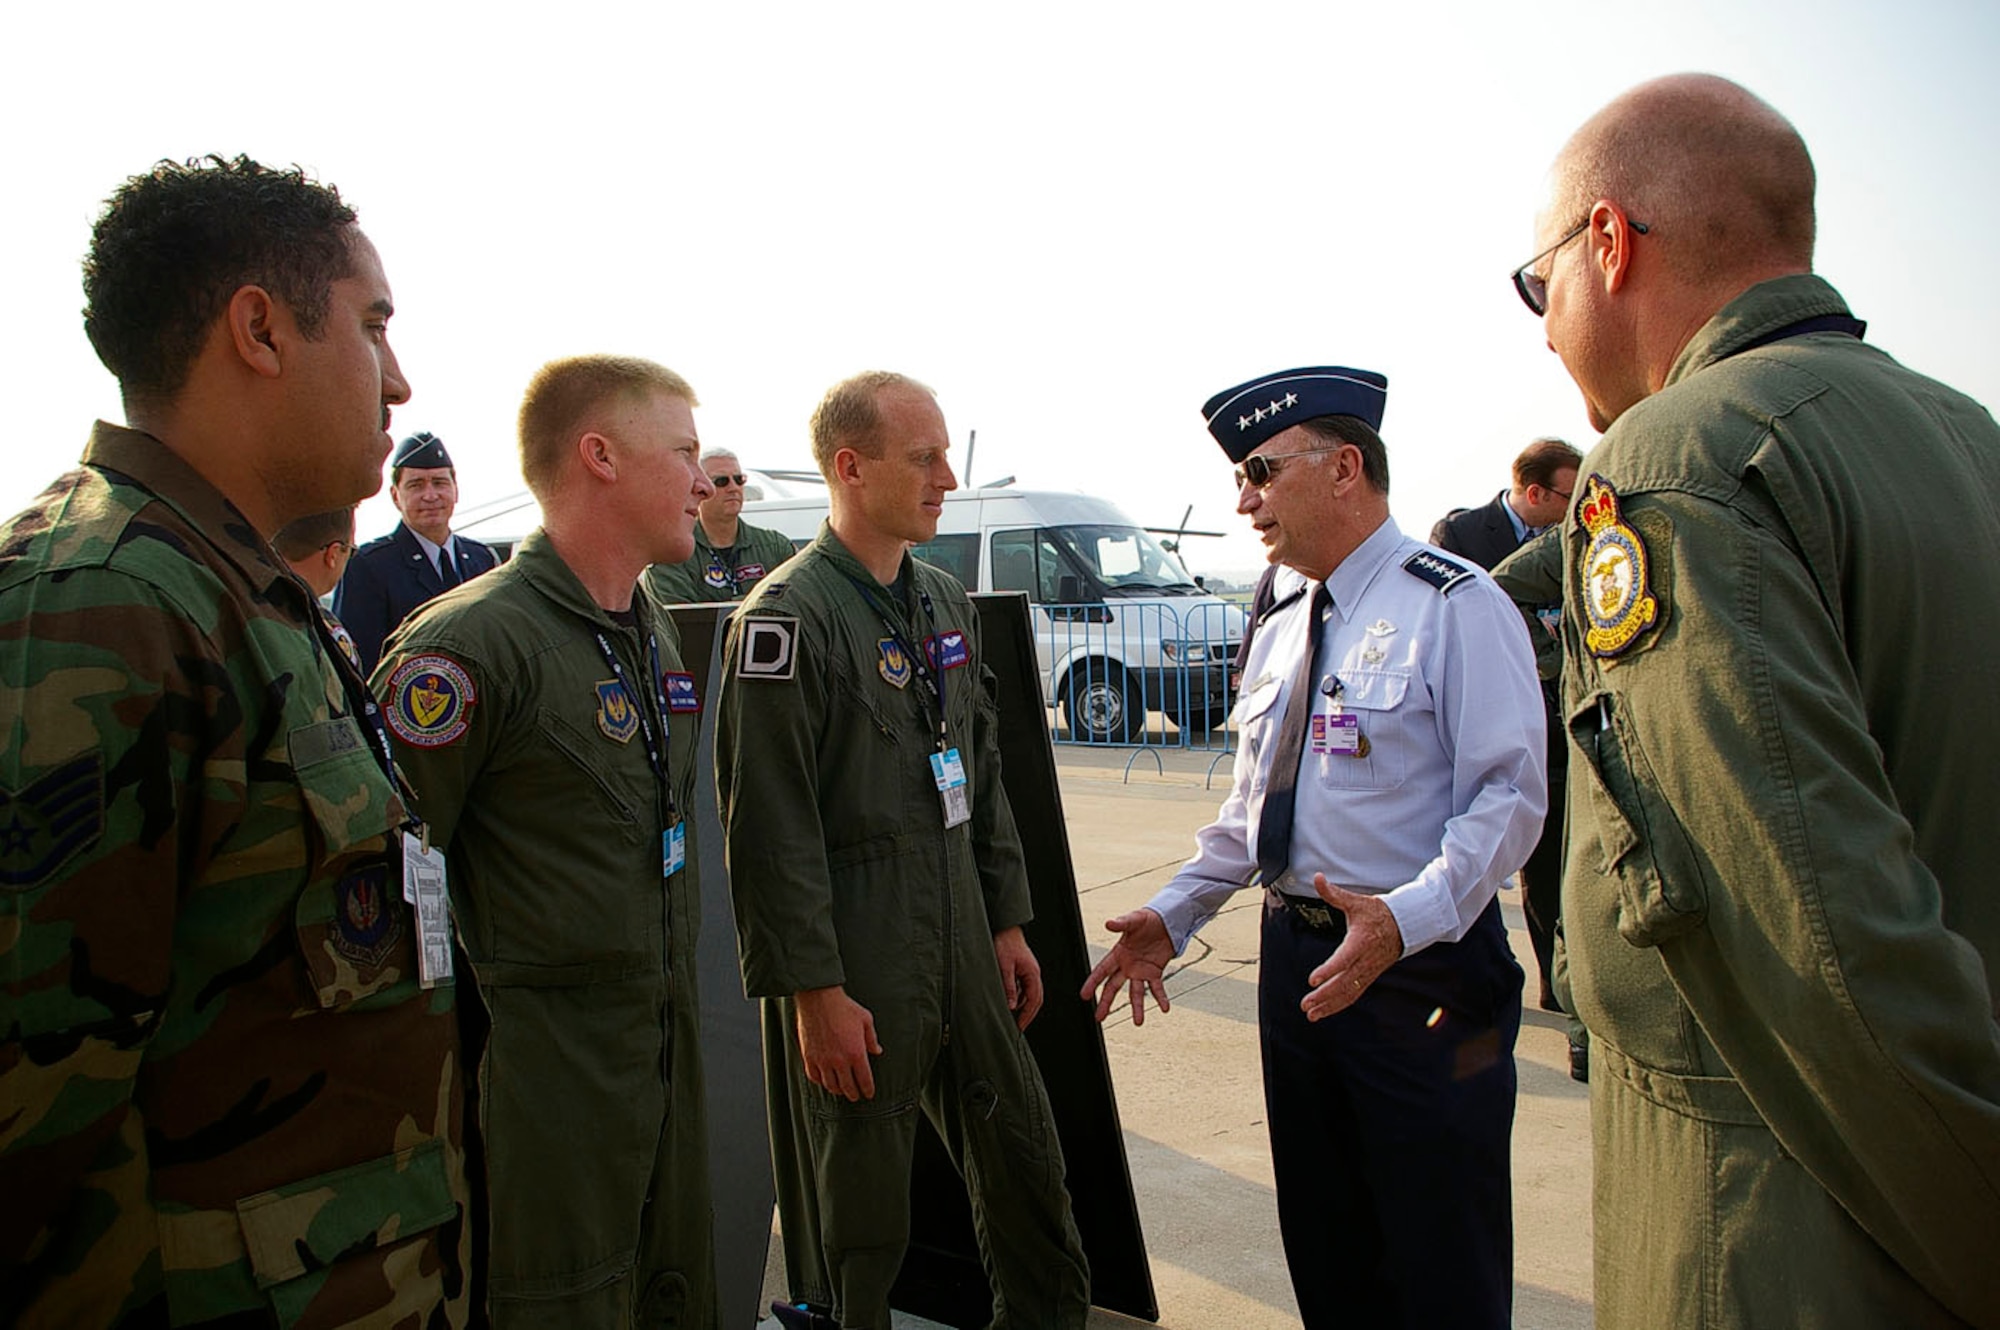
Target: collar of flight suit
point(163, 473)
point(1755, 313)
point(551, 577)
point(842, 558)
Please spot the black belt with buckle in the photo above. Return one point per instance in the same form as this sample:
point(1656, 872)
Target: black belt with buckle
point(1315, 913)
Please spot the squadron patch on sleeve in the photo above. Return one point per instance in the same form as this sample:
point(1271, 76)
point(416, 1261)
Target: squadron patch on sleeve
point(430, 701)
point(1617, 591)
point(769, 649)
point(680, 691)
point(895, 665)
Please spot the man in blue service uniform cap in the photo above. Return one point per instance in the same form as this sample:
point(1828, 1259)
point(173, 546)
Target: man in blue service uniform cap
point(1389, 779)
point(391, 575)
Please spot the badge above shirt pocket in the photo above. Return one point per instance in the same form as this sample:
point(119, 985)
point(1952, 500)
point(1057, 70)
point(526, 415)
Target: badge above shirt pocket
point(1376, 699)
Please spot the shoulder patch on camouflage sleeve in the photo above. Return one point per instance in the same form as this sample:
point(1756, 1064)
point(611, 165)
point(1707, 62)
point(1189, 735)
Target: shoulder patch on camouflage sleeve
point(44, 824)
point(430, 701)
point(1440, 572)
point(769, 650)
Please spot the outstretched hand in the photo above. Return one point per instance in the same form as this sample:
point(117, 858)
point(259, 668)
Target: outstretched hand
point(1373, 943)
point(1138, 962)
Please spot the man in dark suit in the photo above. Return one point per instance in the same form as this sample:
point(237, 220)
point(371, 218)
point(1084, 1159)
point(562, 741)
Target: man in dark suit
point(393, 574)
point(1544, 477)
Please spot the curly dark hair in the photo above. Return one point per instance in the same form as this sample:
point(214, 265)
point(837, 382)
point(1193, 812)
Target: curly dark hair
point(173, 246)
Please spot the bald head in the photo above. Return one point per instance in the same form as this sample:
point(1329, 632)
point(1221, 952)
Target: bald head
point(1723, 181)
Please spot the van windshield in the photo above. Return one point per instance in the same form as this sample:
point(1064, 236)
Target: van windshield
point(1127, 560)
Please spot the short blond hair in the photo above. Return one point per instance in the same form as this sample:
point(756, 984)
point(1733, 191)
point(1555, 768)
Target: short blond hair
point(850, 415)
point(562, 396)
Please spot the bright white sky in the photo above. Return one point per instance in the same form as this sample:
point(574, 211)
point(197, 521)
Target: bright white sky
point(1076, 221)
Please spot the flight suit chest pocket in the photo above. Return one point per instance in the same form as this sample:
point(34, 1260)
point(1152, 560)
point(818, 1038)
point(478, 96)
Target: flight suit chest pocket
point(355, 931)
point(1257, 718)
point(600, 757)
point(1632, 837)
point(1383, 710)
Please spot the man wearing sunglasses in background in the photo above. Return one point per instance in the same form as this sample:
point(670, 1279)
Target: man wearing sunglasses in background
point(1781, 609)
point(1389, 779)
point(730, 555)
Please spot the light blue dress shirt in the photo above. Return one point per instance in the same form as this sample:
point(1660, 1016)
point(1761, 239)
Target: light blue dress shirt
point(1448, 801)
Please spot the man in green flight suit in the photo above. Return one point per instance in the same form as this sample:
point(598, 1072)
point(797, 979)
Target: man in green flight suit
point(730, 555)
point(229, 1070)
point(1781, 606)
point(549, 731)
point(880, 888)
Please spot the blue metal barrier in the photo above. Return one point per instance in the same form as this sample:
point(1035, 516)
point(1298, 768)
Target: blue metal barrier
point(1137, 674)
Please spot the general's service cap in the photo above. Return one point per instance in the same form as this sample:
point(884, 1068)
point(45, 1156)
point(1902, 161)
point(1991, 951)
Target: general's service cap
point(424, 451)
point(1242, 417)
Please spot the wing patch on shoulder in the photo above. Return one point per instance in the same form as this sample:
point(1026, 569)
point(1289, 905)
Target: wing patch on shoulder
point(1440, 572)
point(769, 649)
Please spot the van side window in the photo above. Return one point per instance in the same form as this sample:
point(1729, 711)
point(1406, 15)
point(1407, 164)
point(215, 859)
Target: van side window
point(956, 554)
point(1014, 563)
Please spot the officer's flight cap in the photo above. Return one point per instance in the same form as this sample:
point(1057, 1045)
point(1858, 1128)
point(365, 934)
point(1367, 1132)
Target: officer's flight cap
point(1242, 417)
point(424, 451)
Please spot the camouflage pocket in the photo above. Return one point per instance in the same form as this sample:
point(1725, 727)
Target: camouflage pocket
point(343, 1243)
point(357, 933)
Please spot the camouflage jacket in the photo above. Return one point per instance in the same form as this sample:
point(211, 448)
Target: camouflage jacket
point(223, 1092)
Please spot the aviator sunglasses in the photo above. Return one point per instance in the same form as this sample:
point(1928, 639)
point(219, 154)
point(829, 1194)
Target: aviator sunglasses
point(1259, 469)
point(724, 482)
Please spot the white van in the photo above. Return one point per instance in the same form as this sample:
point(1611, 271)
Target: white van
point(1121, 629)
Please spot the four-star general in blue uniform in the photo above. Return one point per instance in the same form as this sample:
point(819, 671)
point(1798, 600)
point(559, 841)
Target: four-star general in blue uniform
point(1406, 752)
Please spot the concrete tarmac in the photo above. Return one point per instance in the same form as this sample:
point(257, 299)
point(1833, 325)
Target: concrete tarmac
point(1190, 1091)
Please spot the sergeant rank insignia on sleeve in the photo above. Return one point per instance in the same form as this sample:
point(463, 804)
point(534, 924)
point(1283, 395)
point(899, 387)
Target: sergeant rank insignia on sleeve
point(1617, 597)
point(430, 701)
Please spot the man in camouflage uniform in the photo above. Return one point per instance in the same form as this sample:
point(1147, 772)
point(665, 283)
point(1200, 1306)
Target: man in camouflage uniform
point(730, 555)
point(1780, 607)
point(229, 1086)
point(548, 726)
point(880, 890)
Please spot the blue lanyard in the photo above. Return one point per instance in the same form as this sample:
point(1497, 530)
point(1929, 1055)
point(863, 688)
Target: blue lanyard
point(656, 750)
point(919, 661)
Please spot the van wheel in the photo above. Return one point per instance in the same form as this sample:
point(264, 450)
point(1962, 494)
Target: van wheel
point(1102, 706)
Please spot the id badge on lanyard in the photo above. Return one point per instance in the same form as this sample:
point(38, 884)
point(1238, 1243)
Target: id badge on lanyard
point(424, 889)
point(948, 770)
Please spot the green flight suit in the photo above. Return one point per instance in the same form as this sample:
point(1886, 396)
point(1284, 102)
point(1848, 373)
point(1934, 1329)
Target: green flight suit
point(529, 762)
point(1781, 614)
point(842, 871)
point(224, 1093)
point(728, 573)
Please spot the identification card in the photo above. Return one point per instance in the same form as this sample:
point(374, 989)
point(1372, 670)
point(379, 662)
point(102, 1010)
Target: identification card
point(424, 889)
point(948, 770)
point(1339, 734)
point(673, 849)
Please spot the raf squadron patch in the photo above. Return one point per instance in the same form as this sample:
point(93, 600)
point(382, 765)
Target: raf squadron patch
point(1440, 572)
point(895, 665)
point(769, 649)
point(680, 691)
point(430, 701)
point(616, 715)
point(366, 926)
point(948, 650)
point(1617, 595)
point(44, 824)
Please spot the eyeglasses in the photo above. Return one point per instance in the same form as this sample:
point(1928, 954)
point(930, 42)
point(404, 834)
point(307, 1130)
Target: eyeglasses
point(724, 482)
point(1560, 494)
point(1532, 287)
point(1258, 469)
point(345, 547)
